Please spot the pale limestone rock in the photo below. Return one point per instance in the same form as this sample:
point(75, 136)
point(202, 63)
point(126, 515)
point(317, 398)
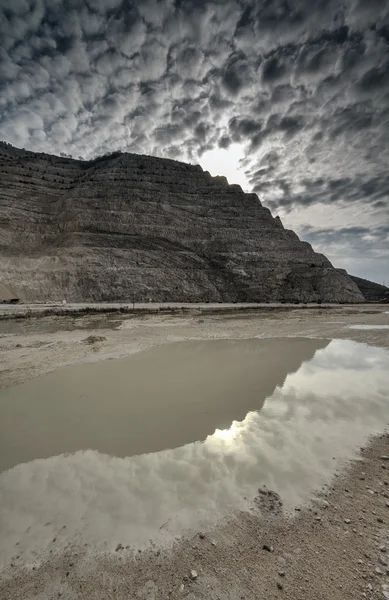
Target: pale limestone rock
point(129, 228)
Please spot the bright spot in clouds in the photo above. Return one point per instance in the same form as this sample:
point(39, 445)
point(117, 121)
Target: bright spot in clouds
point(220, 161)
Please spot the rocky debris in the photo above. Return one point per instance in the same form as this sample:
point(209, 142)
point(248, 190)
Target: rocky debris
point(268, 502)
point(127, 227)
point(93, 339)
point(320, 502)
point(385, 457)
point(193, 575)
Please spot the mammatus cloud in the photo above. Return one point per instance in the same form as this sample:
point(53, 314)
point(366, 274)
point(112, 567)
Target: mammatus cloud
point(302, 87)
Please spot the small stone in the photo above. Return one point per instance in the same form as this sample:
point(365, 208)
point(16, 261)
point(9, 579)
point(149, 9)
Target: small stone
point(384, 457)
point(93, 339)
point(382, 561)
point(387, 505)
point(369, 587)
point(360, 561)
point(201, 535)
point(213, 543)
point(118, 547)
point(347, 521)
point(379, 520)
point(279, 585)
point(378, 571)
point(318, 518)
point(182, 587)
point(193, 575)
point(386, 595)
point(267, 548)
point(383, 548)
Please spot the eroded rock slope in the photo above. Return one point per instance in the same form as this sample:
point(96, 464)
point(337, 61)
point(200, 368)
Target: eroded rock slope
point(129, 227)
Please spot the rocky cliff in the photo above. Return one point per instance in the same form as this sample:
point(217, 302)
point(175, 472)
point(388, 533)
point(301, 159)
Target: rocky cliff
point(372, 292)
point(127, 227)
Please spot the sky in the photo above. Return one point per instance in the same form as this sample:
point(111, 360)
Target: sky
point(289, 98)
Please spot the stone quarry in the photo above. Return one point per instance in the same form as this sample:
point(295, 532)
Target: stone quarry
point(129, 227)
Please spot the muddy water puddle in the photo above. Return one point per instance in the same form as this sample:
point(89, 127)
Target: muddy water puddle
point(179, 435)
point(368, 327)
point(53, 324)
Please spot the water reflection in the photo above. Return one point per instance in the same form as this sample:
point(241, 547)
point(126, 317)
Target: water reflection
point(368, 326)
point(330, 405)
point(161, 398)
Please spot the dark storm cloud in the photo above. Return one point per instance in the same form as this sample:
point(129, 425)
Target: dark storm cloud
point(371, 243)
point(303, 85)
point(365, 235)
point(340, 191)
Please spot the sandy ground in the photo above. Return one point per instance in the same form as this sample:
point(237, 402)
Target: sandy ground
point(337, 547)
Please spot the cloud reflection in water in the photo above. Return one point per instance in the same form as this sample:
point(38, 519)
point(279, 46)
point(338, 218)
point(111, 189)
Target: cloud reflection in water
point(327, 408)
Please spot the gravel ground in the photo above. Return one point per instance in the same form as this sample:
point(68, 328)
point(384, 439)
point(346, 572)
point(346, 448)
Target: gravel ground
point(335, 548)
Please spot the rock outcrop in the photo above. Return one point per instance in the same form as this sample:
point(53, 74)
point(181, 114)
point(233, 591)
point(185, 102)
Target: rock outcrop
point(372, 292)
point(128, 227)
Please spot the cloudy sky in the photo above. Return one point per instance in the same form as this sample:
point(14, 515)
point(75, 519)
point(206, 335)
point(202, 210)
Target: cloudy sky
point(290, 98)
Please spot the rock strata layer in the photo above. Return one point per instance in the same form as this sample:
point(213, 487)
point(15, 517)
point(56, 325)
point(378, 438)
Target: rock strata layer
point(128, 227)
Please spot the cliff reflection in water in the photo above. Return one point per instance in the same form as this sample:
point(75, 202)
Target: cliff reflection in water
point(326, 406)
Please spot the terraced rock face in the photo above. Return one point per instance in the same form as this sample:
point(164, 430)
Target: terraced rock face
point(130, 227)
